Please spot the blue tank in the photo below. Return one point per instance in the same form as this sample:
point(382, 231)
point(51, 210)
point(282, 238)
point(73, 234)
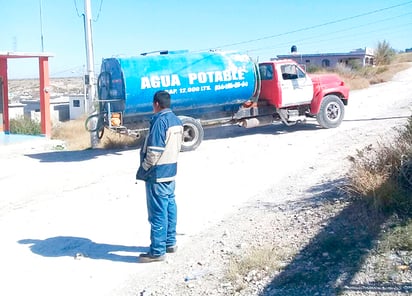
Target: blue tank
point(202, 85)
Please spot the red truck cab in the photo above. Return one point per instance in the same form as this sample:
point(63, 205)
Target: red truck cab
point(286, 86)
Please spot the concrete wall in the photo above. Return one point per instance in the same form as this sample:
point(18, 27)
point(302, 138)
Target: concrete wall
point(59, 109)
point(77, 107)
point(16, 110)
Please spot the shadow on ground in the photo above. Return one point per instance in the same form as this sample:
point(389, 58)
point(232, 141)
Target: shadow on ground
point(73, 156)
point(328, 264)
point(376, 118)
point(277, 128)
point(233, 131)
point(78, 247)
point(210, 133)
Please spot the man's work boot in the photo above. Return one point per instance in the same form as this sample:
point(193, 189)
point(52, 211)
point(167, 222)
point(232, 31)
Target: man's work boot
point(171, 249)
point(147, 258)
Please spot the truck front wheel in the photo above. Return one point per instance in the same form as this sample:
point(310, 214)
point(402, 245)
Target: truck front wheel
point(331, 112)
point(192, 133)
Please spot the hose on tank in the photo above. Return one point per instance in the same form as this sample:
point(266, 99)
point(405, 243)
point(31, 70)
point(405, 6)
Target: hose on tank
point(98, 126)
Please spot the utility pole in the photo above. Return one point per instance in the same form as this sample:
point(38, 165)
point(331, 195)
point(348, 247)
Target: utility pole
point(90, 78)
point(41, 26)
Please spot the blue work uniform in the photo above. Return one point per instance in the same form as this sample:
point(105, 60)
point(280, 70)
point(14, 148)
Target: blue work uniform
point(158, 168)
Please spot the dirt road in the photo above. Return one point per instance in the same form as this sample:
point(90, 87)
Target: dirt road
point(73, 223)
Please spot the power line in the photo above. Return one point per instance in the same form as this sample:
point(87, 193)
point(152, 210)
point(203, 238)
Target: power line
point(364, 33)
point(341, 38)
point(316, 26)
point(77, 10)
point(81, 15)
point(334, 32)
point(98, 13)
point(41, 25)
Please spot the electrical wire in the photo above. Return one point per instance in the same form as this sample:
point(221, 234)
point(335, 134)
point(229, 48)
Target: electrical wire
point(98, 13)
point(77, 10)
point(315, 26)
point(334, 34)
point(329, 39)
point(81, 15)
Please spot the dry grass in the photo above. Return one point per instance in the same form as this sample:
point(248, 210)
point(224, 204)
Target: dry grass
point(264, 257)
point(355, 82)
point(403, 58)
point(386, 73)
point(255, 264)
point(113, 140)
point(74, 134)
point(365, 76)
point(76, 137)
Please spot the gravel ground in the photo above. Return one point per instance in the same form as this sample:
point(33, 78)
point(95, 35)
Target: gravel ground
point(73, 223)
point(301, 219)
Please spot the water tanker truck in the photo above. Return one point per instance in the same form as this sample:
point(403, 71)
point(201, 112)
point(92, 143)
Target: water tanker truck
point(213, 88)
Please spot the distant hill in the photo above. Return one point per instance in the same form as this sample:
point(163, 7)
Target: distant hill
point(29, 88)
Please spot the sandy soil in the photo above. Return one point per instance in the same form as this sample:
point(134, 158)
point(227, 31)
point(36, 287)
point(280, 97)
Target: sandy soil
point(73, 223)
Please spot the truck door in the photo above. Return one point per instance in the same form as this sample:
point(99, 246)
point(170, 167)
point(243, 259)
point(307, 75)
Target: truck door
point(295, 84)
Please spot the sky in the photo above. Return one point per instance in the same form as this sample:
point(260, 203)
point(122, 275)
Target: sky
point(261, 28)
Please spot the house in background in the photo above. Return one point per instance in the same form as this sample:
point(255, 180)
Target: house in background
point(62, 108)
point(362, 57)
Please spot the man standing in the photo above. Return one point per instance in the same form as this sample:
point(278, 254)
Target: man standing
point(158, 167)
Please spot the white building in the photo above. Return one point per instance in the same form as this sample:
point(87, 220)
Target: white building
point(363, 57)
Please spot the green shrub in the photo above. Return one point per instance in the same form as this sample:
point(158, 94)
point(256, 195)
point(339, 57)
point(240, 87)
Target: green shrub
point(384, 53)
point(25, 126)
point(313, 68)
point(367, 72)
point(355, 64)
point(382, 69)
point(398, 238)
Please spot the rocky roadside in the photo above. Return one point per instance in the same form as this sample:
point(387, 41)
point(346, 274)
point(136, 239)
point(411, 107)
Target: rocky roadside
point(320, 243)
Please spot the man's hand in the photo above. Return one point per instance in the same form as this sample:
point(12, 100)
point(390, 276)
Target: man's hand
point(142, 174)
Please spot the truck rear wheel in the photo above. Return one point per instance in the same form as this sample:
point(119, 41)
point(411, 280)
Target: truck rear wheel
point(331, 112)
point(192, 133)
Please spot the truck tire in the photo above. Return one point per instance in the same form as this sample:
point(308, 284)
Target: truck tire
point(192, 133)
point(331, 112)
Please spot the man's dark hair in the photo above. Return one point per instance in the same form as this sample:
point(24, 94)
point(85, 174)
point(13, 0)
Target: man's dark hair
point(163, 98)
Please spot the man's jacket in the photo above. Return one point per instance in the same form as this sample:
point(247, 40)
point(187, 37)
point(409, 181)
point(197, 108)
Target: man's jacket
point(158, 156)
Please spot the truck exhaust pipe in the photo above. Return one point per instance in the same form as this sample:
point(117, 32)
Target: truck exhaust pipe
point(257, 121)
